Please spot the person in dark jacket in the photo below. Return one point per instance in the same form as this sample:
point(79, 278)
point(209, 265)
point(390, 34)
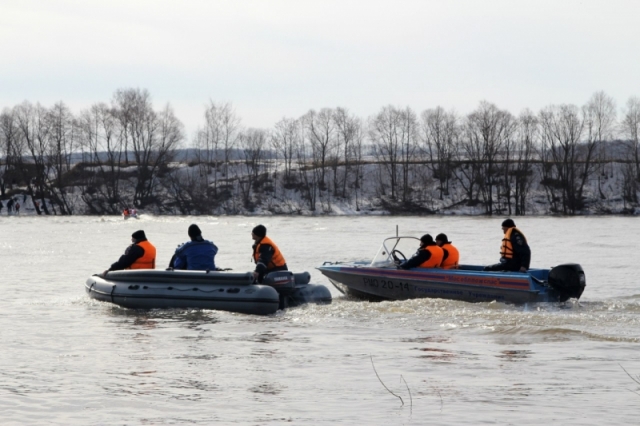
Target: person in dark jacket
point(266, 254)
point(141, 254)
point(515, 254)
point(195, 255)
point(429, 255)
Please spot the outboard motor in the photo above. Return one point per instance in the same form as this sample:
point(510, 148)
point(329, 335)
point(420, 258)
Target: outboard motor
point(568, 280)
point(283, 281)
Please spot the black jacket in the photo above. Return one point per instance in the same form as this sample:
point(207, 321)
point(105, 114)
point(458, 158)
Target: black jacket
point(521, 250)
point(131, 254)
point(264, 258)
point(421, 256)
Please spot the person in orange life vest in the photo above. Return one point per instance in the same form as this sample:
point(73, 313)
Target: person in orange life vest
point(451, 257)
point(141, 254)
point(266, 254)
point(515, 254)
point(429, 255)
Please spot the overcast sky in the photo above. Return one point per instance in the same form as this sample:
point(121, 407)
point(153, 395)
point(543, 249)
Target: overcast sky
point(274, 59)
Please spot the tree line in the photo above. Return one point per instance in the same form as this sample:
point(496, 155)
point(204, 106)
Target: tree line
point(127, 153)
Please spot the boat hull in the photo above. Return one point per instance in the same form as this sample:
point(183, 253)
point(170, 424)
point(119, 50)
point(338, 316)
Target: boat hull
point(152, 289)
point(472, 285)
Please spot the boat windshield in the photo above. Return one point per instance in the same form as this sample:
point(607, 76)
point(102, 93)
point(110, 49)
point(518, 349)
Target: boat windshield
point(400, 247)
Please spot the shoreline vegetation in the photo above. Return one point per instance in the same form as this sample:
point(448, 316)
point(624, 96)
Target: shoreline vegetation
point(563, 160)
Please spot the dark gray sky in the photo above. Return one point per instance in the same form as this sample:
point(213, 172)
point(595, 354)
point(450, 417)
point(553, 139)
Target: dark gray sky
point(274, 59)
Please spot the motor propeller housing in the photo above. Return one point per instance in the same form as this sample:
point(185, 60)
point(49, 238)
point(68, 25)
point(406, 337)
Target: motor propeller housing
point(283, 281)
point(568, 280)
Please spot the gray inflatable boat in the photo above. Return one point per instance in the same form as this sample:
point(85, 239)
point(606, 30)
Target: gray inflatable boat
point(235, 292)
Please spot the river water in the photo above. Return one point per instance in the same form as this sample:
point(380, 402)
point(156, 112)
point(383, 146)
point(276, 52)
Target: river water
point(67, 359)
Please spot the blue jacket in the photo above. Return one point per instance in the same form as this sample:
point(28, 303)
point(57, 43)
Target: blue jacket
point(196, 256)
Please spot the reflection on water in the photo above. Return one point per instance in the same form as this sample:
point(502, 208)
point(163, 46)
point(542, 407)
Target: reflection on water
point(436, 354)
point(269, 337)
point(428, 339)
point(267, 388)
point(514, 355)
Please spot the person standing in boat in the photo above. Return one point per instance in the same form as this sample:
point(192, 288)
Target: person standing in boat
point(141, 254)
point(451, 257)
point(515, 254)
point(266, 254)
point(429, 255)
point(195, 255)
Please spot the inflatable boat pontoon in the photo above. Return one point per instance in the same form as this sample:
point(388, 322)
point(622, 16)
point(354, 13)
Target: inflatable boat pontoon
point(235, 292)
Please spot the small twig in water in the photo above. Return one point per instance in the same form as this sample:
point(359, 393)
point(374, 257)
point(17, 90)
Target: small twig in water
point(385, 386)
point(635, 379)
point(440, 395)
point(410, 397)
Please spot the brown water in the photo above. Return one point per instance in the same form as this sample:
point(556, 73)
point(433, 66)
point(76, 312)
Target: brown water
point(67, 359)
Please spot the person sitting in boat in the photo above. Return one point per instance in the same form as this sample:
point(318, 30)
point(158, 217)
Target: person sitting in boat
point(515, 254)
point(451, 257)
point(429, 255)
point(141, 254)
point(266, 254)
point(195, 255)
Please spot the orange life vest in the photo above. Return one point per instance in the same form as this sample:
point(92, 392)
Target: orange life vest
point(148, 259)
point(276, 260)
point(451, 262)
point(436, 257)
point(506, 249)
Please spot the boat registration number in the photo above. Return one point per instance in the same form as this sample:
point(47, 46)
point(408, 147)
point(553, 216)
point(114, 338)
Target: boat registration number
point(385, 284)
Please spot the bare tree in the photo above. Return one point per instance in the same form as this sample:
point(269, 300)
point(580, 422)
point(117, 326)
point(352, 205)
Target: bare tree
point(230, 126)
point(349, 130)
point(409, 146)
point(102, 138)
point(356, 153)
point(469, 160)
point(566, 163)
point(385, 133)
point(488, 128)
point(524, 148)
point(600, 120)
point(31, 153)
point(320, 132)
point(509, 159)
point(631, 129)
point(252, 142)
point(217, 140)
point(153, 138)
point(63, 142)
point(8, 140)
point(307, 171)
point(439, 133)
point(125, 103)
point(284, 140)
